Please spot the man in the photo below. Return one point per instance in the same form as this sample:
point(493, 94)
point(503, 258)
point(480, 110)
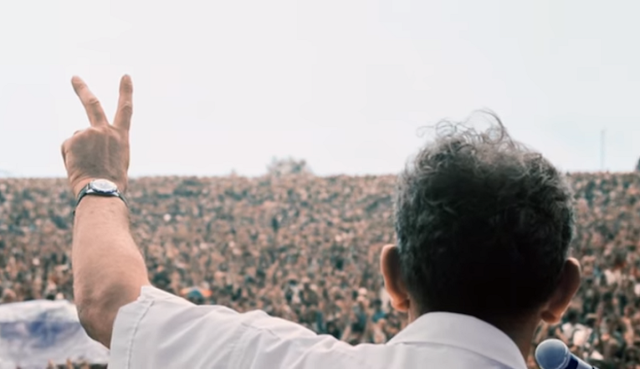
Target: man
point(575, 333)
point(483, 228)
point(378, 313)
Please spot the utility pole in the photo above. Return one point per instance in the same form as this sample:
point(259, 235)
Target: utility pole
point(602, 149)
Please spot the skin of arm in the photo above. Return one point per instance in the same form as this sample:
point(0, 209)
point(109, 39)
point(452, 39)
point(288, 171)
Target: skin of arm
point(108, 268)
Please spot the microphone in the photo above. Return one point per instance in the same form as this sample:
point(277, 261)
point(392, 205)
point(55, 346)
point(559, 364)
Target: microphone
point(554, 354)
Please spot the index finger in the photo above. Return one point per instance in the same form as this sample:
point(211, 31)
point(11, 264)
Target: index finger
point(90, 102)
point(125, 104)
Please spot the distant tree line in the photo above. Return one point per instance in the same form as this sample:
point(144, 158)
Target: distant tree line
point(288, 166)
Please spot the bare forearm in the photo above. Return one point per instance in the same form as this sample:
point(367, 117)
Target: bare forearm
point(108, 268)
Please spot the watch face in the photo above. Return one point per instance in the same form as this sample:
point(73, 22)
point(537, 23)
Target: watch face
point(102, 185)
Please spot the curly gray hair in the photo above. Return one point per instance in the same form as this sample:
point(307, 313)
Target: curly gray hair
point(483, 223)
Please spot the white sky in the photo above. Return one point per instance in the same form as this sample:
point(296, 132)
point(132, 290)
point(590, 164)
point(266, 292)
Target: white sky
point(344, 84)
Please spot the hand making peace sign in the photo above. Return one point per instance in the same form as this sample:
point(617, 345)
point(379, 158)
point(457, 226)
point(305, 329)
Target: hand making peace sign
point(102, 150)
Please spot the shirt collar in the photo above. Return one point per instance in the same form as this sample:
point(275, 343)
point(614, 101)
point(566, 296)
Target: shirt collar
point(466, 332)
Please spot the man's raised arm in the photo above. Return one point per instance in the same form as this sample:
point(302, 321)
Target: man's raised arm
point(108, 268)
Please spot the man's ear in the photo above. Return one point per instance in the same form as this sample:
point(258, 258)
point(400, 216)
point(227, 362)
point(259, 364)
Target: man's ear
point(564, 292)
point(393, 282)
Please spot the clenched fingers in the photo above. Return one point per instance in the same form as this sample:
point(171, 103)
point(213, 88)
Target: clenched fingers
point(63, 150)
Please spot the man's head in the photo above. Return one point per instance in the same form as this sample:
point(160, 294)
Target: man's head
point(573, 316)
point(483, 227)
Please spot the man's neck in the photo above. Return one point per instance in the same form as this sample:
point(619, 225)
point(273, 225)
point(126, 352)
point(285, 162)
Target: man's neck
point(521, 332)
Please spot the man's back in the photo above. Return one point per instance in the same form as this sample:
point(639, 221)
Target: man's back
point(164, 331)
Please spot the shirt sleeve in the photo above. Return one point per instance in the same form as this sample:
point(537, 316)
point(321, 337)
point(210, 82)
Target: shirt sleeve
point(160, 330)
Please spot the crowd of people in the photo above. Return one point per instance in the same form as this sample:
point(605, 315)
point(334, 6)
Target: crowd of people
point(306, 248)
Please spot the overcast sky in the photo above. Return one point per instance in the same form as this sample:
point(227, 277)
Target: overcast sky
point(344, 84)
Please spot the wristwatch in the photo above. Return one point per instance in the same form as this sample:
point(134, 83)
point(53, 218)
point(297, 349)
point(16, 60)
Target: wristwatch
point(100, 187)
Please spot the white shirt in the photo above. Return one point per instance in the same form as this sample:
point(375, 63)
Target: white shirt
point(161, 330)
point(613, 276)
point(577, 334)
